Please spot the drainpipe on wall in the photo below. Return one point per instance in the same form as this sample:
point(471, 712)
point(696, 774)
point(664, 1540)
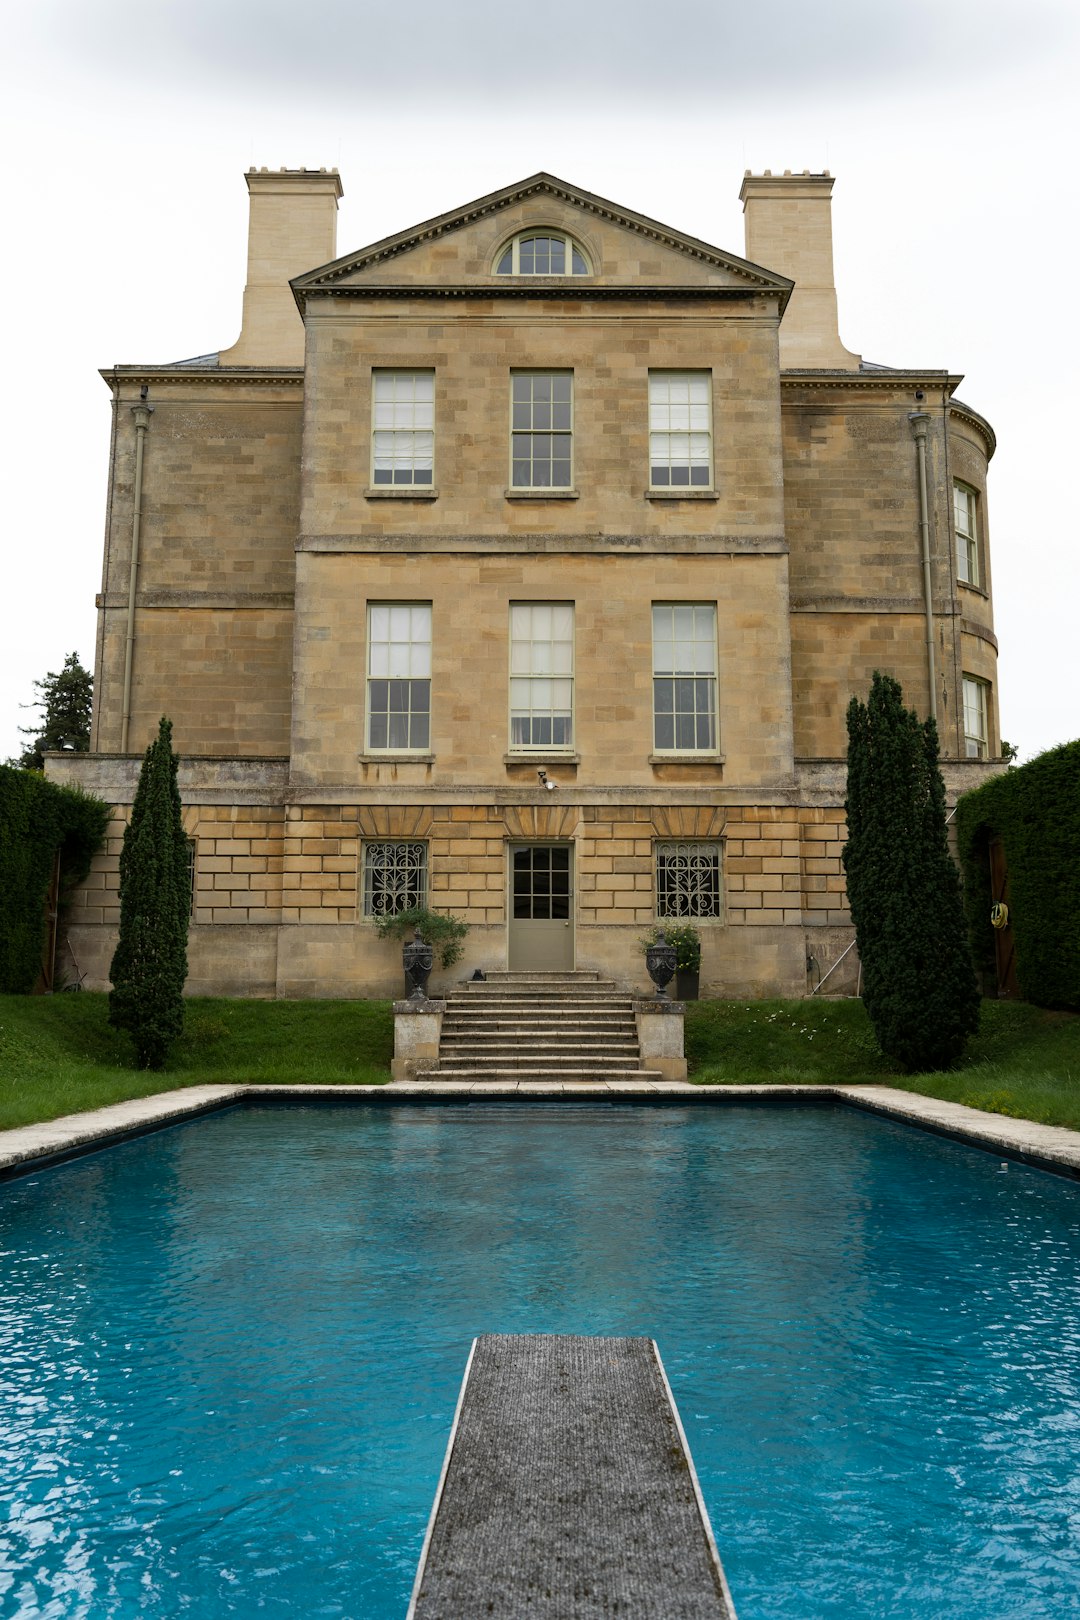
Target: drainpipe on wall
point(919, 422)
point(141, 413)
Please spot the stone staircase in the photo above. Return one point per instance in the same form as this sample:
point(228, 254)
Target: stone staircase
point(539, 1027)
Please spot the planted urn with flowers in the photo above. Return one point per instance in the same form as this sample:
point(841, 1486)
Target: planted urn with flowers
point(686, 941)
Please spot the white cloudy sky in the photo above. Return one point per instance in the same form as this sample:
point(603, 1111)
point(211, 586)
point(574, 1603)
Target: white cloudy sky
point(950, 124)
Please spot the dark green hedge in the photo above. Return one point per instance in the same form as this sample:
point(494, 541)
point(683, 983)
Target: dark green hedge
point(1035, 811)
point(36, 819)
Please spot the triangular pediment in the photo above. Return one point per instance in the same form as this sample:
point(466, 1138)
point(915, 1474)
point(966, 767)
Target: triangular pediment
point(460, 249)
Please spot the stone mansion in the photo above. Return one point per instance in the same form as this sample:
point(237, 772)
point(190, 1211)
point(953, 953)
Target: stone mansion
point(523, 564)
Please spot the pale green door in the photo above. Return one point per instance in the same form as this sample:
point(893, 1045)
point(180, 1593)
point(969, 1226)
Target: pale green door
point(541, 908)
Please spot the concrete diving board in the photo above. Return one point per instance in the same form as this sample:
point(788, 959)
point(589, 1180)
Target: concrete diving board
point(568, 1491)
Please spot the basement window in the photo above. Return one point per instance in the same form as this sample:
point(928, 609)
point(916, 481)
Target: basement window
point(688, 880)
point(394, 877)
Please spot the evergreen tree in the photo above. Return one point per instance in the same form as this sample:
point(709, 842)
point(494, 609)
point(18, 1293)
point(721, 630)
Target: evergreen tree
point(150, 963)
point(67, 698)
point(919, 984)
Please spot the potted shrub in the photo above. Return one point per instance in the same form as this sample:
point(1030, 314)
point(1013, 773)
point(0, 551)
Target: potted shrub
point(444, 933)
point(687, 943)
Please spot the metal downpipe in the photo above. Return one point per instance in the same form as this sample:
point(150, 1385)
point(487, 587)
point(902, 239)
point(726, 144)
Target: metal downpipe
point(919, 422)
point(141, 413)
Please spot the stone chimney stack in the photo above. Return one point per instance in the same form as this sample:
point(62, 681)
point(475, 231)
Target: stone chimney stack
point(292, 227)
point(789, 229)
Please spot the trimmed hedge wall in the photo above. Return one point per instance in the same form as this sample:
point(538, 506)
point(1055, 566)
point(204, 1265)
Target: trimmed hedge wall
point(1035, 810)
point(36, 819)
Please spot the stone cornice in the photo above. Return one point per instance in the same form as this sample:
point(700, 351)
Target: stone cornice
point(538, 185)
point(875, 381)
point(539, 288)
point(964, 413)
point(188, 376)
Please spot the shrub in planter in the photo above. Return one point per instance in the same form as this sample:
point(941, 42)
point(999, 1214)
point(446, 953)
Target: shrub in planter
point(687, 943)
point(446, 934)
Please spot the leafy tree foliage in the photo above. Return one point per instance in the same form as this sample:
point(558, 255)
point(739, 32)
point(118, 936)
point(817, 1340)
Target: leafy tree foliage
point(919, 984)
point(150, 963)
point(1035, 811)
point(38, 818)
point(67, 698)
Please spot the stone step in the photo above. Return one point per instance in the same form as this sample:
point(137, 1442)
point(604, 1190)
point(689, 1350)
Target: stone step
point(542, 1060)
point(551, 984)
point(505, 1031)
point(555, 1055)
point(506, 976)
point(539, 1074)
point(543, 998)
point(546, 1038)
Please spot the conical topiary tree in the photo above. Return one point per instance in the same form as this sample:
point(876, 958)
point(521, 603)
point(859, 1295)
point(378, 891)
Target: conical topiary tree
point(903, 888)
point(150, 963)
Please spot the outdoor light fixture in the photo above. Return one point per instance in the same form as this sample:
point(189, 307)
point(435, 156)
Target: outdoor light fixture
point(543, 776)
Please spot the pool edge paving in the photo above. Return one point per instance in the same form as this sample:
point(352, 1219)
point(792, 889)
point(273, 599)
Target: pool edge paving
point(1054, 1148)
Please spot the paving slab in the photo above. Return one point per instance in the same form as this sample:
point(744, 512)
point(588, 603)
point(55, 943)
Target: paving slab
point(1051, 1147)
point(568, 1491)
point(61, 1138)
point(1048, 1147)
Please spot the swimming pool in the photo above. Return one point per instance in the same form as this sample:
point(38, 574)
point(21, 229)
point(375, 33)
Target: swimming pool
point(230, 1351)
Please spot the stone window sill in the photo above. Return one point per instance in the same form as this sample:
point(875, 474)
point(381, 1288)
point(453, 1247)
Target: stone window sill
point(401, 492)
point(399, 758)
point(682, 495)
point(541, 494)
point(541, 758)
point(686, 759)
point(976, 590)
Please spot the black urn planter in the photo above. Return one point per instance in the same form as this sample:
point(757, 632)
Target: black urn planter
point(686, 983)
point(417, 958)
point(660, 961)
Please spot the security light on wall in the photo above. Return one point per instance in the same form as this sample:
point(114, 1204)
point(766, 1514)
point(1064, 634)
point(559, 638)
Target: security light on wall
point(543, 776)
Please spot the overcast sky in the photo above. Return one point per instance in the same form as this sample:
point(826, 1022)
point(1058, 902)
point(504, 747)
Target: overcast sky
point(950, 125)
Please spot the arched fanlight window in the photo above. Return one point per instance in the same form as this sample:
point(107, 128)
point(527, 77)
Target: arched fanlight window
point(551, 254)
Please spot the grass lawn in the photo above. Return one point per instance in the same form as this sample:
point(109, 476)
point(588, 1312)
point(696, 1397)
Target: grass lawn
point(1024, 1061)
point(58, 1054)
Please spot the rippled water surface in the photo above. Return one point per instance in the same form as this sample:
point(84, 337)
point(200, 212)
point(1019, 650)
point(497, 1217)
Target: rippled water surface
point(230, 1352)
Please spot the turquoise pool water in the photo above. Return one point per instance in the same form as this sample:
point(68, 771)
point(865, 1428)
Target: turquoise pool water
point(230, 1352)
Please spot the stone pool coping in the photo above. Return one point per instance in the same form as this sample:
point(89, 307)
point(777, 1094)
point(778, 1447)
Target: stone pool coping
point(1045, 1147)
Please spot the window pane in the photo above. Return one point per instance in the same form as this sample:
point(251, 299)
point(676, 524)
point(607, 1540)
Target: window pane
point(541, 457)
point(684, 677)
point(403, 417)
point(540, 706)
point(680, 443)
point(399, 668)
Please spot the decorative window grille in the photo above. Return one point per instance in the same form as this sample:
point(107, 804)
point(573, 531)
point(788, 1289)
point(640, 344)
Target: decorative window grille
point(967, 537)
point(399, 676)
point(976, 718)
point(541, 675)
point(688, 880)
point(403, 436)
point(680, 430)
point(684, 677)
point(395, 878)
point(541, 430)
point(552, 254)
